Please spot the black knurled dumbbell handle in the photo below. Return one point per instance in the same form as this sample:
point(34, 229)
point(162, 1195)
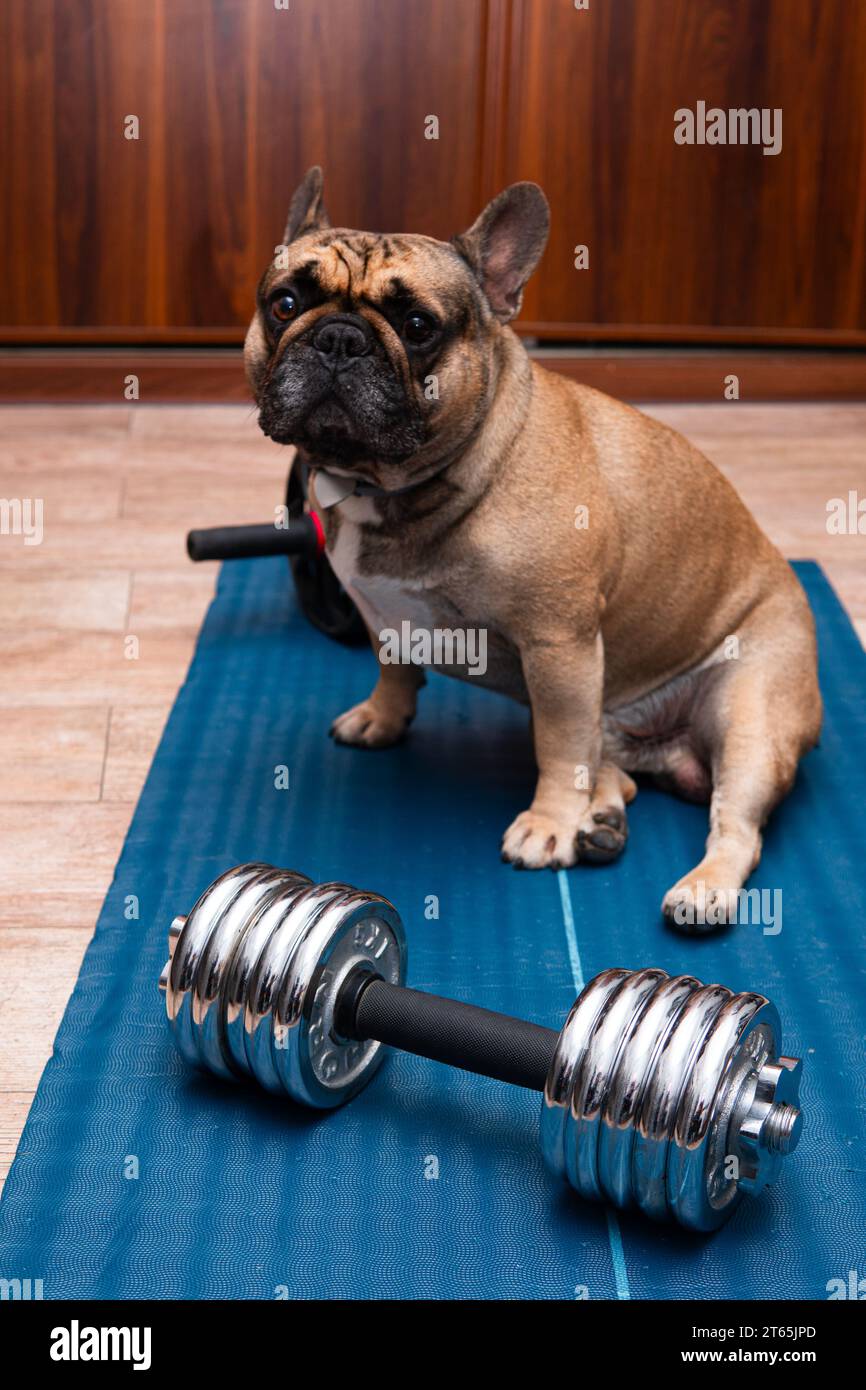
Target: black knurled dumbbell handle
point(445, 1030)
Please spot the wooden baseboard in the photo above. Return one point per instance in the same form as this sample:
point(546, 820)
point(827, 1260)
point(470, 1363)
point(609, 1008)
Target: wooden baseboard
point(166, 375)
point(101, 375)
point(683, 374)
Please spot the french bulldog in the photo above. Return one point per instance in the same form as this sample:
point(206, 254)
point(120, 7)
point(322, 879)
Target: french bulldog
point(627, 595)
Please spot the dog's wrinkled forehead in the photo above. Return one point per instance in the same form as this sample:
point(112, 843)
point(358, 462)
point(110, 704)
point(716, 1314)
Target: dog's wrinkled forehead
point(351, 269)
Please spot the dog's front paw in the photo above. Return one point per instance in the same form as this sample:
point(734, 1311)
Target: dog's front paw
point(366, 726)
point(536, 841)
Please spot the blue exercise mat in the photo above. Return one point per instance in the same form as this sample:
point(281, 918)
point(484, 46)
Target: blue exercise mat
point(139, 1178)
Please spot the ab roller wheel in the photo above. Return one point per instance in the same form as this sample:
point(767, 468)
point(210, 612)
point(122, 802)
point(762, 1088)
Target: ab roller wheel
point(322, 597)
point(659, 1093)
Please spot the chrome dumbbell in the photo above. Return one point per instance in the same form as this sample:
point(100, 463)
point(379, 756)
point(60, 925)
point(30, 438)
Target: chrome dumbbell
point(659, 1093)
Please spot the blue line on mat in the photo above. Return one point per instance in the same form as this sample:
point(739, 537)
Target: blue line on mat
point(617, 1254)
point(614, 1235)
point(570, 933)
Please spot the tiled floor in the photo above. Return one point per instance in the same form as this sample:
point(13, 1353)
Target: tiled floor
point(81, 720)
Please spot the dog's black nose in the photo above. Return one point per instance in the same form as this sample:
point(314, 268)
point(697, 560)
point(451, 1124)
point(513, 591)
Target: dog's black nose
point(340, 338)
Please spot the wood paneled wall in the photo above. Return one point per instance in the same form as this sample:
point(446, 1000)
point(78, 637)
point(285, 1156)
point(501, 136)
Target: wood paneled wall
point(162, 239)
point(165, 237)
point(693, 241)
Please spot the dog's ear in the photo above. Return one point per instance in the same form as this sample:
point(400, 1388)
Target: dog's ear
point(307, 211)
point(504, 245)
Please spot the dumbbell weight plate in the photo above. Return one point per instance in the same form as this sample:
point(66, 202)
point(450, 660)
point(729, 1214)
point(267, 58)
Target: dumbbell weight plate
point(257, 957)
point(291, 1040)
point(664, 1085)
point(200, 957)
point(700, 1186)
point(570, 1051)
point(593, 1078)
point(628, 1085)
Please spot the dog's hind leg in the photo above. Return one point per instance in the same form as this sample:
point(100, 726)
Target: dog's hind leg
point(754, 723)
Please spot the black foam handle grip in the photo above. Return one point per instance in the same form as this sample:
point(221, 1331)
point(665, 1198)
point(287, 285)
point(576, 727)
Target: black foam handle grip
point(460, 1035)
point(248, 542)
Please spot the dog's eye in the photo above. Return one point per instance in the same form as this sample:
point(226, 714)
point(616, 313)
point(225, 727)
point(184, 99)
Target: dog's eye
point(284, 307)
point(419, 328)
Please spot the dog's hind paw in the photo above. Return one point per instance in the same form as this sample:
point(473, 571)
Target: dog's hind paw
point(696, 907)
